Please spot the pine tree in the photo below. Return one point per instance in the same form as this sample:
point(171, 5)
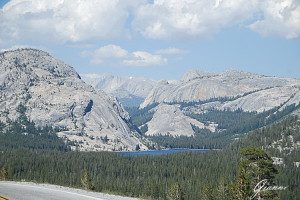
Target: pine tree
point(3, 174)
point(86, 181)
point(137, 147)
point(175, 192)
point(255, 166)
point(222, 190)
point(208, 193)
point(242, 189)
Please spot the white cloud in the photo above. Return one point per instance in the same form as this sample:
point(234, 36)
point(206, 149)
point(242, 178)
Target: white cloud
point(164, 19)
point(142, 58)
point(106, 52)
point(171, 51)
point(281, 17)
point(64, 20)
point(192, 18)
point(119, 56)
point(78, 21)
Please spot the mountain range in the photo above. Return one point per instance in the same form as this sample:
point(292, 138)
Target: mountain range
point(199, 92)
point(250, 92)
point(85, 109)
point(131, 91)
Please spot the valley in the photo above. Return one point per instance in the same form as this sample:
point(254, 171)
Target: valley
point(149, 99)
point(203, 109)
point(154, 176)
point(57, 129)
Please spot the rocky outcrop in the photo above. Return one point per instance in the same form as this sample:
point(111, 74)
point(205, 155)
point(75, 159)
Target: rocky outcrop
point(265, 99)
point(230, 90)
point(170, 120)
point(250, 92)
point(55, 95)
point(259, 101)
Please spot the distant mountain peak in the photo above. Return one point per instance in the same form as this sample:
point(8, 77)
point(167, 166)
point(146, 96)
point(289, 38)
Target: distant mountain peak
point(194, 74)
point(198, 85)
point(119, 86)
point(231, 72)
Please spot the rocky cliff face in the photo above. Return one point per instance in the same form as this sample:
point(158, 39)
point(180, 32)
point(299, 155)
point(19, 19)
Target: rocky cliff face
point(170, 120)
point(250, 92)
point(55, 95)
point(230, 90)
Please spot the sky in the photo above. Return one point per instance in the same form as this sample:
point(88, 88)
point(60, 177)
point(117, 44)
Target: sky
point(159, 39)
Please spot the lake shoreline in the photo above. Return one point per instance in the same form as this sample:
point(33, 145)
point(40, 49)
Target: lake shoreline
point(162, 152)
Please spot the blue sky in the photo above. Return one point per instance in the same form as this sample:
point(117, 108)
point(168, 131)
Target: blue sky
point(160, 39)
point(3, 2)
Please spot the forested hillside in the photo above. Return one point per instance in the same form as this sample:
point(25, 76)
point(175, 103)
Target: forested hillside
point(230, 125)
point(193, 175)
point(23, 133)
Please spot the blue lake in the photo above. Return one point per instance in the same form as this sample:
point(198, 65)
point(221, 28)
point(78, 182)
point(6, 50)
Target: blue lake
point(161, 152)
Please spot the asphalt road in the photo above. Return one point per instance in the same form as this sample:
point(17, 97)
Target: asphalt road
point(33, 191)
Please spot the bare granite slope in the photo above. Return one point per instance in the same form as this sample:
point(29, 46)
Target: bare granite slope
point(255, 92)
point(170, 120)
point(231, 90)
point(55, 95)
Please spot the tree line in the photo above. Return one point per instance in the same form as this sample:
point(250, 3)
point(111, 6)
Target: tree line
point(230, 173)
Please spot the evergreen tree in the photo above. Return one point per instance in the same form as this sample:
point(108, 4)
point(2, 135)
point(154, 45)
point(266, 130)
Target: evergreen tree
point(207, 193)
point(137, 147)
point(42, 158)
point(175, 192)
point(86, 180)
point(2, 125)
point(222, 190)
point(256, 166)
point(3, 174)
